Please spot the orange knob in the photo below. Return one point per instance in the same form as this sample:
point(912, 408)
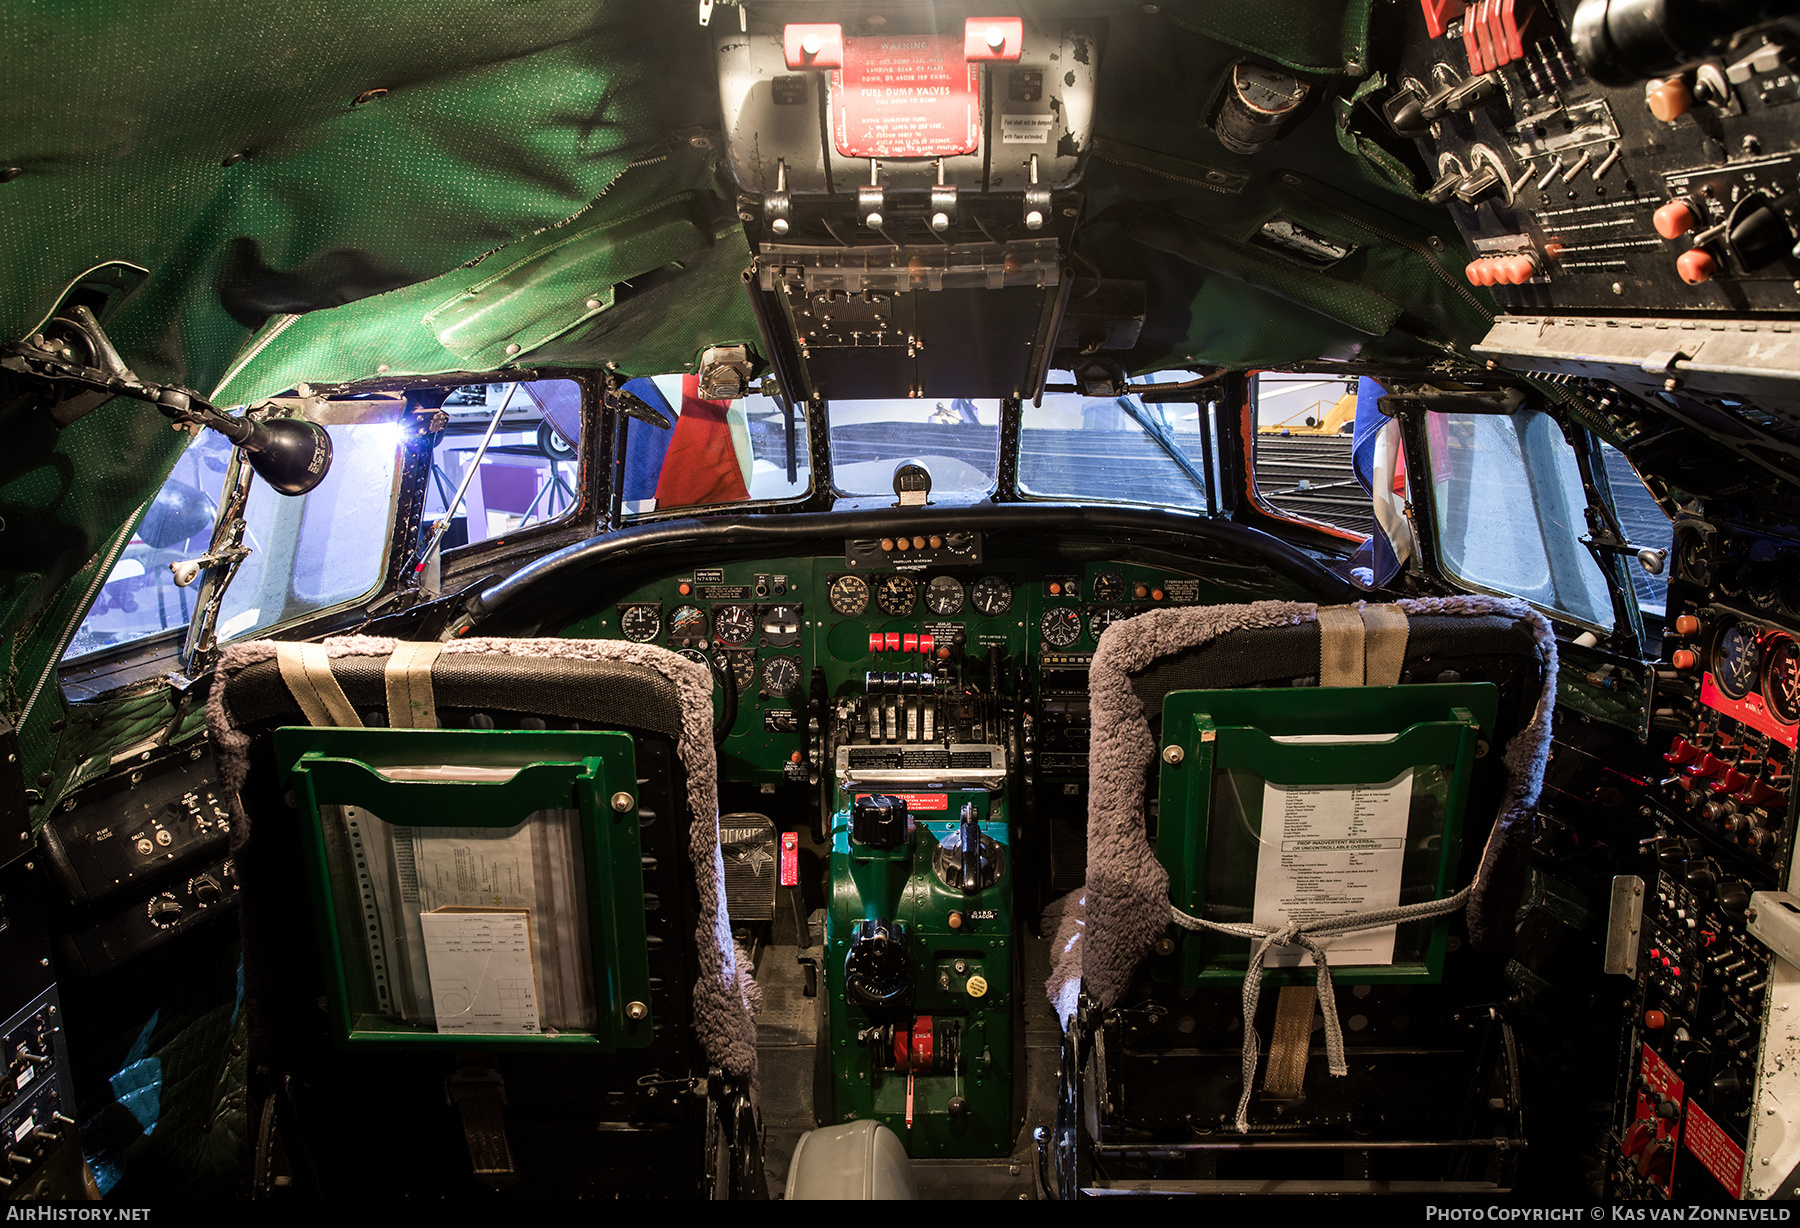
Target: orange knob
point(684, 588)
point(1140, 592)
point(1056, 590)
point(1655, 1021)
point(1674, 219)
point(937, 543)
point(1696, 265)
point(887, 543)
point(1684, 659)
point(1156, 594)
point(1687, 624)
point(1669, 100)
point(1473, 272)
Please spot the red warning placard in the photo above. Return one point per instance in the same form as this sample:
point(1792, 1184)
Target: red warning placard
point(1723, 1158)
point(1752, 709)
point(905, 97)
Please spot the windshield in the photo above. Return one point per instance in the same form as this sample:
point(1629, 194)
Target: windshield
point(1118, 449)
point(954, 437)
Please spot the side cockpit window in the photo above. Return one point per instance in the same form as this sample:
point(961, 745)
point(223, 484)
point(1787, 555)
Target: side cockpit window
point(139, 597)
point(1511, 512)
point(512, 450)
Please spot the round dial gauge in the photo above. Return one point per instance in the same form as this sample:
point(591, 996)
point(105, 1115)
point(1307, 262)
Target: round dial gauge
point(780, 624)
point(1736, 660)
point(896, 595)
point(944, 596)
point(1060, 627)
point(740, 663)
point(734, 624)
point(1109, 586)
point(640, 623)
point(696, 656)
point(688, 625)
point(781, 676)
point(850, 595)
point(1781, 680)
point(1103, 618)
point(992, 596)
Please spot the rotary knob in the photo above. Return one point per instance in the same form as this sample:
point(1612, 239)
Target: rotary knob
point(164, 912)
point(876, 971)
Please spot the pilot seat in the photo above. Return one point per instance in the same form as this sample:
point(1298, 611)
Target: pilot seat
point(486, 942)
point(1276, 786)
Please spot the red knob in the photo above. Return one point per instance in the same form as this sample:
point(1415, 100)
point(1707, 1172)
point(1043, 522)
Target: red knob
point(927, 643)
point(909, 643)
point(893, 641)
point(1695, 265)
point(1517, 270)
point(1680, 752)
point(1708, 767)
point(1669, 100)
point(1654, 1021)
point(1674, 219)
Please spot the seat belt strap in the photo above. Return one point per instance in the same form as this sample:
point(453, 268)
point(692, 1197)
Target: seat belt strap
point(410, 701)
point(479, 1093)
point(1290, 1041)
point(306, 668)
point(1384, 644)
point(1340, 646)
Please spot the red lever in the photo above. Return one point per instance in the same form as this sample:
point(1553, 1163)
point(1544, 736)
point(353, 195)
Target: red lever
point(1730, 782)
point(1681, 752)
point(1708, 767)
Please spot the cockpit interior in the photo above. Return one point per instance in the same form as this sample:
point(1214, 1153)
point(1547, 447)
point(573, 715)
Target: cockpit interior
point(900, 599)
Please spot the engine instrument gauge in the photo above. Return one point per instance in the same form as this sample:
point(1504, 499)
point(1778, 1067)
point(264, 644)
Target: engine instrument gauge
point(740, 663)
point(1109, 586)
point(850, 595)
point(1060, 627)
point(1736, 660)
point(897, 594)
point(696, 656)
point(781, 676)
point(688, 625)
point(734, 624)
point(1103, 618)
point(1781, 680)
point(640, 623)
point(992, 596)
point(944, 596)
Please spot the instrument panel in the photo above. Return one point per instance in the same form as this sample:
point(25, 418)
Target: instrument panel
point(949, 610)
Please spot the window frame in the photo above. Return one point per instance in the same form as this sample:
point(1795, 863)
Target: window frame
point(613, 429)
point(1626, 635)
